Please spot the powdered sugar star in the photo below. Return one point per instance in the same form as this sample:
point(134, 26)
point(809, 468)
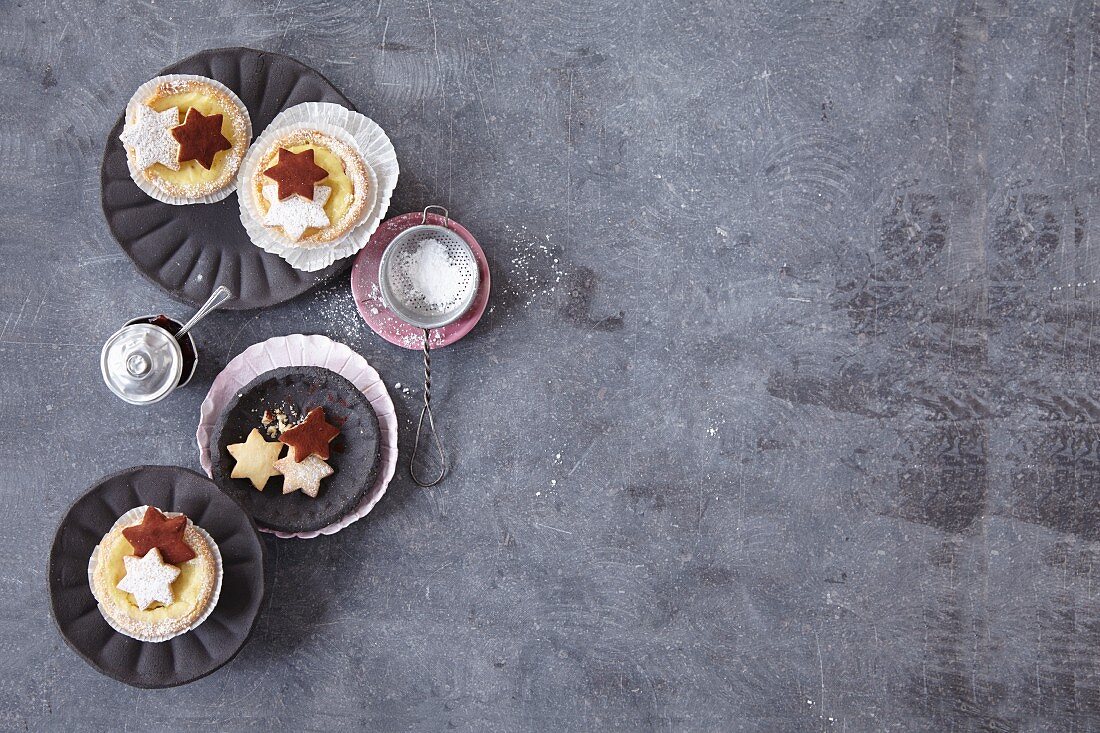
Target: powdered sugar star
point(149, 579)
point(306, 475)
point(150, 137)
point(295, 214)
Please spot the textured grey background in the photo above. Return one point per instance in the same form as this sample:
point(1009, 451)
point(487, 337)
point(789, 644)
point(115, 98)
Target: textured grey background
point(782, 417)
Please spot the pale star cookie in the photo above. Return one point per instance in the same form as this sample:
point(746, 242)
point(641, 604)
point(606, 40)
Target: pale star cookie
point(255, 459)
point(151, 139)
point(306, 475)
point(149, 579)
point(294, 213)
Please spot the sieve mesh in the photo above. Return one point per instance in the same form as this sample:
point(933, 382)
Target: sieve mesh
point(429, 287)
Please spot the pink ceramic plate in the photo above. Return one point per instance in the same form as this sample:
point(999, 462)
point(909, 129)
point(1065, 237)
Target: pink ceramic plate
point(364, 286)
point(300, 350)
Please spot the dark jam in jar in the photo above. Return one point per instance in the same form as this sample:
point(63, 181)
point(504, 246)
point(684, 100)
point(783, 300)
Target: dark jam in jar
point(187, 346)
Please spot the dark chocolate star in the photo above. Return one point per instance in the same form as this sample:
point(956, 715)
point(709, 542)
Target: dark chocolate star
point(200, 138)
point(161, 532)
point(296, 173)
point(311, 436)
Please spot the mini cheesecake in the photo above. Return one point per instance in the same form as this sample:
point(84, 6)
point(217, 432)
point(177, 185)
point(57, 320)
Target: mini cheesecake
point(120, 589)
point(310, 187)
point(185, 137)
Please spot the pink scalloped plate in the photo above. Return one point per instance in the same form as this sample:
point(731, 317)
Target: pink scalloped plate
point(368, 298)
point(301, 350)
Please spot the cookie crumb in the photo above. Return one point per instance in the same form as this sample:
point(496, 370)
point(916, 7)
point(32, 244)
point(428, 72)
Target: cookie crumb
point(276, 422)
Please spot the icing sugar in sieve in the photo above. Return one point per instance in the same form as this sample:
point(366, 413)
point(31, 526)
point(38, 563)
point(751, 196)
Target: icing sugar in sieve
point(428, 277)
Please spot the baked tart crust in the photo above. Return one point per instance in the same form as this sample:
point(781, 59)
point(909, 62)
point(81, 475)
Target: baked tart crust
point(192, 180)
point(193, 590)
point(348, 183)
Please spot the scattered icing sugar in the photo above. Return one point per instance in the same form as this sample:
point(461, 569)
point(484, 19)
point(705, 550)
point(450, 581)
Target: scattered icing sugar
point(415, 339)
point(332, 307)
point(431, 274)
point(534, 269)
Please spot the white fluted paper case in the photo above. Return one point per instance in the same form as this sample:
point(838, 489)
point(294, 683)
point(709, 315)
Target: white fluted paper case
point(147, 185)
point(132, 517)
point(301, 350)
point(359, 132)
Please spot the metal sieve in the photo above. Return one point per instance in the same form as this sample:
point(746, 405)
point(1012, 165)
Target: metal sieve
point(428, 308)
point(396, 282)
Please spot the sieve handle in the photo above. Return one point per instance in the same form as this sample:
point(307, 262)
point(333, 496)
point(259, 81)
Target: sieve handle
point(424, 214)
point(427, 411)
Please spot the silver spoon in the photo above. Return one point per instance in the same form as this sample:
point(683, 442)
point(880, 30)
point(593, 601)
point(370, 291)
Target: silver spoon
point(219, 296)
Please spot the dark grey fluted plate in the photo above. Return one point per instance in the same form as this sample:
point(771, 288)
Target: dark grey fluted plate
point(355, 452)
point(190, 250)
point(189, 656)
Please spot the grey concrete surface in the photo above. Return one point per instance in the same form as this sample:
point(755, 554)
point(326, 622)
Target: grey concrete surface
point(783, 416)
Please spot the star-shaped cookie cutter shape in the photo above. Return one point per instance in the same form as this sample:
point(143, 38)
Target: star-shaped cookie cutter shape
point(200, 138)
point(150, 137)
point(305, 476)
point(255, 459)
point(149, 579)
point(156, 531)
point(296, 214)
point(311, 436)
point(296, 173)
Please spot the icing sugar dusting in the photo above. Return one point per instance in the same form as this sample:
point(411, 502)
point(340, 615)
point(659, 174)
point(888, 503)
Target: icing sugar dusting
point(294, 213)
point(306, 475)
point(150, 137)
point(149, 579)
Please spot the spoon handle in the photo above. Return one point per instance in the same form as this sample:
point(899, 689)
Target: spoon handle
point(219, 296)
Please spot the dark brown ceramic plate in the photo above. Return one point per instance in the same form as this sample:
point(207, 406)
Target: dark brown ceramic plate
point(189, 656)
point(190, 250)
point(354, 454)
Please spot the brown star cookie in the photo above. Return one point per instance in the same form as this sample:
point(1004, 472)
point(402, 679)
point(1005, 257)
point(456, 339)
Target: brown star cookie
point(161, 532)
point(296, 173)
point(200, 138)
point(312, 435)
